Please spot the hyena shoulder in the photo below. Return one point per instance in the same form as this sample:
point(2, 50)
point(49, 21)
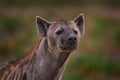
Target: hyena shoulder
point(9, 66)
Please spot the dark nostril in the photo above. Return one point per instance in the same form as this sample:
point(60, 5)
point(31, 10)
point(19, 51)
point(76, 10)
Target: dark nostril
point(72, 38)
point(75, 38)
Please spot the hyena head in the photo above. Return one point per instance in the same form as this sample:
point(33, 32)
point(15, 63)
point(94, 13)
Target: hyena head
point(62, 35)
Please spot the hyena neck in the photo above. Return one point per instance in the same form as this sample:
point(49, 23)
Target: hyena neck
point(49, 66)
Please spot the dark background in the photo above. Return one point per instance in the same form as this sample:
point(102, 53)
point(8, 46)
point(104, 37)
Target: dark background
point(98, 53)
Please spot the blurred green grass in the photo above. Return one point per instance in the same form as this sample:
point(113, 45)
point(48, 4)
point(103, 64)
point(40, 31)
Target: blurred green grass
point(90, 68)
point(109, 3)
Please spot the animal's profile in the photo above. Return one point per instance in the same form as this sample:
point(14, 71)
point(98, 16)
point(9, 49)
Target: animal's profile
point(50, 54)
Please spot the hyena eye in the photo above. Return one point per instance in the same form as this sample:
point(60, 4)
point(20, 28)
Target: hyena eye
point(75, 31)
point(59, 32)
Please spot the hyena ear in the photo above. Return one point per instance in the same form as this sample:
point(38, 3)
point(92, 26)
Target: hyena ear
point(80, 23)
point(42, 26)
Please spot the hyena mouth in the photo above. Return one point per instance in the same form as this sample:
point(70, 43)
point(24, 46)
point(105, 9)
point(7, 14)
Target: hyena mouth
point(68, 47)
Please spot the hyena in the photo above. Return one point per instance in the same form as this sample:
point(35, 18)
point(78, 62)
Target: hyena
point(50, 54)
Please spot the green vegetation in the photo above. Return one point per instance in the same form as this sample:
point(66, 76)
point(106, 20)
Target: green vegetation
point(109, 3)
point(84, 67)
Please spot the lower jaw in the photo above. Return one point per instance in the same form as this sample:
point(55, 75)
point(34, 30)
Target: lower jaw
point(68, 49)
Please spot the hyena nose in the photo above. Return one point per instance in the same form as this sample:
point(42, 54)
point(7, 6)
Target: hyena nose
point(72, 39)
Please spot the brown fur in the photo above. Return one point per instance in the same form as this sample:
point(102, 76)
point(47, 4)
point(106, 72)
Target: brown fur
point(6, 69)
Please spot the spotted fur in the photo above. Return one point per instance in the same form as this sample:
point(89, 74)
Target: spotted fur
point(12, 65)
